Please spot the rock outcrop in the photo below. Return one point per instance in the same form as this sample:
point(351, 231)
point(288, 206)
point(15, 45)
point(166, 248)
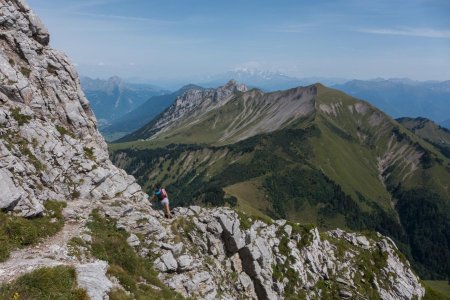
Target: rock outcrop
point(220, 254)
point(194, 103)
point(49, 147)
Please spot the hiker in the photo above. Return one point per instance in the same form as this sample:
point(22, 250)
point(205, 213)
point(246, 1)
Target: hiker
point(161, 195)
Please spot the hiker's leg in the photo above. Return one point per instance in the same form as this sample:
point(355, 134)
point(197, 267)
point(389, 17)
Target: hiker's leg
point(167, 213)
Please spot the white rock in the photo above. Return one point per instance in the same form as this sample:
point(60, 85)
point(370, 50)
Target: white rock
point(184, 263)
point(133, 240)
point(9, 193)
point(92, 277)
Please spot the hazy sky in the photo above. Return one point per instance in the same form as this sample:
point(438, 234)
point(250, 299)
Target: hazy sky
point(188, 38)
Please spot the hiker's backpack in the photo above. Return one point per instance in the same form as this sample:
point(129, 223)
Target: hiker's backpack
point(161, 194)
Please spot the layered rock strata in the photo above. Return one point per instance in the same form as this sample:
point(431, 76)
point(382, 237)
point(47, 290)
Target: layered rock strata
point(49, 147)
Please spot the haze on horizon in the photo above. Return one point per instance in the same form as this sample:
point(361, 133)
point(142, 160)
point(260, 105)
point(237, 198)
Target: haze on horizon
point(190, 39)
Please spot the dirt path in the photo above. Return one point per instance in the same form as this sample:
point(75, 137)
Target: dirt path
point(51, 251)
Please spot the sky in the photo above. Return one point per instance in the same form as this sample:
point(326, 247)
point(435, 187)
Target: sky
point(187, 39)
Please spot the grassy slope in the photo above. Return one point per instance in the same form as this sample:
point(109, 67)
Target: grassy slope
point(340, 151)
point(46, 283)
point(441, 286)
point(428, 130)
point(251, 196)
point(353, 163)
point(18, 232)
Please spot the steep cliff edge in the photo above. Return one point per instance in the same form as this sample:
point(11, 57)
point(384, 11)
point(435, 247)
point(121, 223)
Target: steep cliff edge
point(50, 147)
point(221, 254)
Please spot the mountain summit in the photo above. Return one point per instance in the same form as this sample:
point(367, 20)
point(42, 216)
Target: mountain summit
point(229, 113)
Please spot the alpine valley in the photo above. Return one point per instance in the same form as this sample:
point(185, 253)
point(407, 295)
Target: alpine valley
point(308, 154)
point(74, 226)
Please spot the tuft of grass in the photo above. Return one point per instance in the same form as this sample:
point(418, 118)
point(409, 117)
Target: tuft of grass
point(46, 283)
point(330, 289)
point(25, 150)
point(247, 220)
point(135, 273)
point(117, 294)
point(19, 117)
point(76, 244)
point(75, 195)
point(18, 232)
point(52, 70)
point(89, 153)
point(64, 131)
point(25, 71)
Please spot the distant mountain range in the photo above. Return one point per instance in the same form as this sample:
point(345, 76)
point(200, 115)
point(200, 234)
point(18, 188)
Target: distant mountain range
point(309, 154)
point(404, 97)
point(265, 80)
point(112, 98)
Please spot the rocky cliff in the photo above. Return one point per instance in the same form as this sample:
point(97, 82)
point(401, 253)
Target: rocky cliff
point(192, 104)
point(220, 254)
point(50, 149)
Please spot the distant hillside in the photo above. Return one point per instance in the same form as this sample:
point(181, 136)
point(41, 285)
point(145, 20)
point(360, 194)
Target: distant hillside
point(141, 115)
point(403, 97)
point(309, 154)
point(430, 131)
point(112, 98)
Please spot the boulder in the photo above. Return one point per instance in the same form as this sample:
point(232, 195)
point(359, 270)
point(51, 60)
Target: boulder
point(133, 240)
point(92, 277)
point(9, 193)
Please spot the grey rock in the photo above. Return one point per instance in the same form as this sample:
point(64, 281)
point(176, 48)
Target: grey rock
point(9, 193)
point(234, 239)
point(345, 294)
point(92, 277)
point(133, 240)
point(288, 229)
point(166, 263)
point(87, 238)
point(184, 263)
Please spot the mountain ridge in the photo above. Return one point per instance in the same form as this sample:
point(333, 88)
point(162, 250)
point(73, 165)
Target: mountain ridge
point(361, 157)
point(141, 115)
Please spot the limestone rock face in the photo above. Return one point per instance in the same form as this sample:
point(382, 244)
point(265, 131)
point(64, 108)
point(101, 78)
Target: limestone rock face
point(229, 256)
point(49, 144)
point(195, 103)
